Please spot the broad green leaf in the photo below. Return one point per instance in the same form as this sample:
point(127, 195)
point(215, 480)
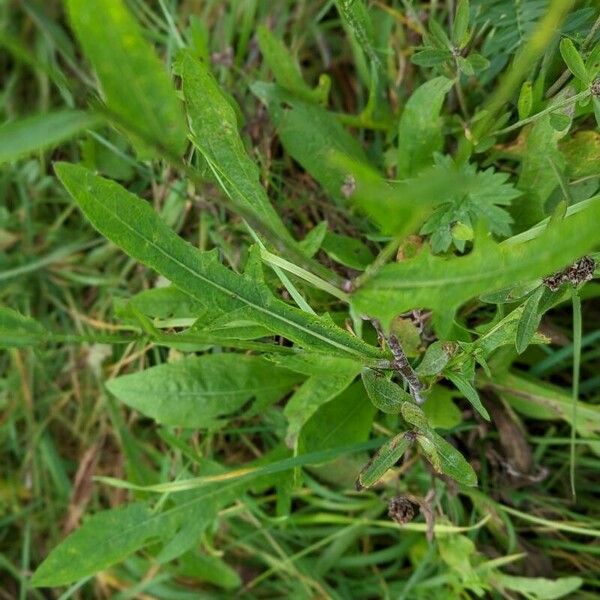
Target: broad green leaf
point(420, 129)
point(581, 152)
point(540, 588)
point(386, 395)
point(284, 67)
point(536, 179)
point(31, 134)
point(103, 540)
point(134, 83)
point(384, 459)
point(309, 133)
point(316, 391)
point(214, 131)
point(196, 391)
point(17, 330)
point(435, 359)
point(443, 284)
point(131, 223)
point(440, 409)
point(529, 321)
point(414, 415)
point(451, 462)
point(573, 60)
point(345, 420)
point(347, 251)
point(469, 392)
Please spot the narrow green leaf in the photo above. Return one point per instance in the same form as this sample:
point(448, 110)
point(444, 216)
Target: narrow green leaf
point(32, 134)
point(103, 540)
point(573, 60)
point(356, 16)
point(196, 391)
point(539, 588)
point(309, 133)
point(214, 131)
point(525, 101)
point(386, 395)
point(134, 82)
point(384, 459)
point(420, 129)
point(461, 22)
point(17, 330)
point(469, 392)
point(443, 284)
point(284, 67)
point(529, 321)
point(451, 462)
point(131, 223)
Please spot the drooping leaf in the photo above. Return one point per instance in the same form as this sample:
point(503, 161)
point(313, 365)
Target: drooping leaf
point(134, 83)
point(32, 134)
point(469, 392)
point(214, 131)
point(420, 129)
point(132, 224)
point(443, 284)
point(386, 395)
point(384, 459)
point(17, 330)
point(195, 391)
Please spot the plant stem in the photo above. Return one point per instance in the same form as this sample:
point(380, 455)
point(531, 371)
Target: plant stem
point(575, 389)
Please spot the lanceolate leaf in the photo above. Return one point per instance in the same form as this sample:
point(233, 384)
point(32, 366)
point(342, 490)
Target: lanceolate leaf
point(214, 128)
point(443, 284)
point(384, 459)
point(39, 132)
point(195, 391)
point(529, 321)
point(309, 133)
point(131, 223)
point(386, 395)
point(103, 540)
point(134, 82)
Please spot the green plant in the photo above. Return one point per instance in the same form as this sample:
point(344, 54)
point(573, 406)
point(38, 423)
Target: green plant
point(425, 299)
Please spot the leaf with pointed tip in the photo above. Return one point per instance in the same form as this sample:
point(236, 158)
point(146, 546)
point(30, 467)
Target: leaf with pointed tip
point(131, 223)
point(444, 283)
point(414, 415)
point(529, 321)
point(195, 391)
point(31, 134)
point(469, 392)
point(384, 459)
point(448, 459)
point(214, 131)
point(134, 82)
